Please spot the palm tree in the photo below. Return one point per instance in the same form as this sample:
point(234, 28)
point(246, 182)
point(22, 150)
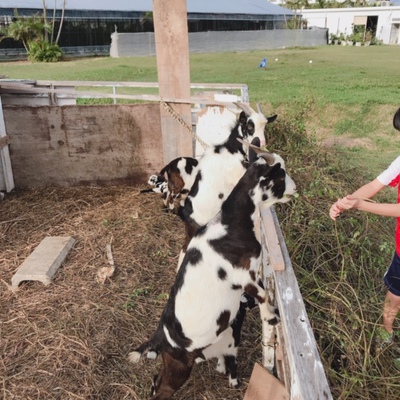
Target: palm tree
point(26, 30)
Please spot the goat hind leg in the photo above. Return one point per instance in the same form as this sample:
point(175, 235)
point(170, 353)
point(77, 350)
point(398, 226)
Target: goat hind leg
point(174, 373)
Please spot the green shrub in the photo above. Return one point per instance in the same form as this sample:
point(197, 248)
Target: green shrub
point(42, 51)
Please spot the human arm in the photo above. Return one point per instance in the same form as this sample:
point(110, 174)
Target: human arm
point(354, 200)
point(358, 201)
point(384, 209)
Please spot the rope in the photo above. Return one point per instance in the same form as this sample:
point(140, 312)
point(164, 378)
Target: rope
point(178, 118)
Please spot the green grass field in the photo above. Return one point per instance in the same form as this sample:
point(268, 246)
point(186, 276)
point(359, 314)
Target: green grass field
point(350, 93)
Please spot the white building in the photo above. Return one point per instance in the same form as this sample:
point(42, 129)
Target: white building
point(383, 22)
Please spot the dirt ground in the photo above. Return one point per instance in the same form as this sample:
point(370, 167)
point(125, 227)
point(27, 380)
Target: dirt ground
point(70, 340)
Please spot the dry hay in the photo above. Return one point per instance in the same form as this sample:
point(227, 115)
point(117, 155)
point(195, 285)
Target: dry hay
point(70, 340)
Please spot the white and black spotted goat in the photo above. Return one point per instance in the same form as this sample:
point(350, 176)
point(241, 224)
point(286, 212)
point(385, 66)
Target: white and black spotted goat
point(219, 170)
point(221, 261)
point(174, 181)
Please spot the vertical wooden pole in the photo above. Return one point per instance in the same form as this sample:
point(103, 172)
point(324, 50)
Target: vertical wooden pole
point(172, 49)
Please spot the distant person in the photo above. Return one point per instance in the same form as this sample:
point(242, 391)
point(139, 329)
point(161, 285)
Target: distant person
point(357, 200)
point(263, 63)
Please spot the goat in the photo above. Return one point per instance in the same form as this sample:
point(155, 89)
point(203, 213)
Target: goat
point(158, 183)
point(174, 180)
point(221, 261)
point(219, 170)
point(181, 173)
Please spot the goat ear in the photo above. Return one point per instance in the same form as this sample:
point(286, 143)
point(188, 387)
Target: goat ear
point(272, 118)
point(242, 118)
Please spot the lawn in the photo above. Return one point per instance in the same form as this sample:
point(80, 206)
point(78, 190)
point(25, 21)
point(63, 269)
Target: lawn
point(349, 93)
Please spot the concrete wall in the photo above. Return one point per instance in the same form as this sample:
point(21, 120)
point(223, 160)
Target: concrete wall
point(142, 44)
point(80, 145)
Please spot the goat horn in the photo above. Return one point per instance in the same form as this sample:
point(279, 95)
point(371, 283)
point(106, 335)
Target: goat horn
point(259, 108)
point(256, 149)
point(268, 157)
point(245, 107)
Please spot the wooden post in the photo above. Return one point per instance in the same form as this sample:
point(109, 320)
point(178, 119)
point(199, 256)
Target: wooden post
point(6, 175)
point(172, 49)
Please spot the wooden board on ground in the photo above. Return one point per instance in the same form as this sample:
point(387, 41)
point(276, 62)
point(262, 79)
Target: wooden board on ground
point(264, 386)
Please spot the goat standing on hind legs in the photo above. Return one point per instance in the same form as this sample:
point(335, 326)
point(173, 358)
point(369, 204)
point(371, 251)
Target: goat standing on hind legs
point(221, 261)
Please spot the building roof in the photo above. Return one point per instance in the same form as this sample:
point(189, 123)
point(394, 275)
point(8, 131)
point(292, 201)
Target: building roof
point(251, 7)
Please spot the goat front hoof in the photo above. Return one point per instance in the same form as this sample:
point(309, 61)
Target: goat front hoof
point(234, 383)
point(221, 368)
point(275, 319)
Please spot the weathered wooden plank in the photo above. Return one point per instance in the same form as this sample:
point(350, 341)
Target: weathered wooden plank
point(272, 241)
point(307, 375)
point(4, 141)
point(6, 174)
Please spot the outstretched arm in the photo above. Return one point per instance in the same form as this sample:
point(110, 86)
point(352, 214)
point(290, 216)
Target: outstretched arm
point(384, 209)
point(354, 200)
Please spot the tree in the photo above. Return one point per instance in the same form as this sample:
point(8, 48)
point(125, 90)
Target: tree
point(295, 22)
point(31, 31)
point(26, 30)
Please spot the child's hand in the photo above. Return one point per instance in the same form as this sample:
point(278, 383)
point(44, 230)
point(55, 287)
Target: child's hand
point(348, 202)
point(335, 210)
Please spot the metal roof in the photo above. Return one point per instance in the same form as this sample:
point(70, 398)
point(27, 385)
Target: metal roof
point(251, 7)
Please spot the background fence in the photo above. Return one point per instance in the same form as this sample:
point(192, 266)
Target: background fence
point(142, 44)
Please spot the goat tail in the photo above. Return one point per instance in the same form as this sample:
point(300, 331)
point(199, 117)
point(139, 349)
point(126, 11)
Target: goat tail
point(146, 347)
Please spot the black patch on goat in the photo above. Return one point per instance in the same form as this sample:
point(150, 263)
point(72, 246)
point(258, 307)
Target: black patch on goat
point(190, 164)
point(231, 366)
point(237, 323)
point(194, 256)
point(231, 144)
point(223, 321)
point(252, 153)
point(221, 274)
point(195, 187)
point(236, 287)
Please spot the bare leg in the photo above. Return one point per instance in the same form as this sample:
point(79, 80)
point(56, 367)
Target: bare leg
point(390, 310)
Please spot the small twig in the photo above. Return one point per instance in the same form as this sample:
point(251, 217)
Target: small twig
point(109, 254)
point(365, 199)
point(106, 272)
